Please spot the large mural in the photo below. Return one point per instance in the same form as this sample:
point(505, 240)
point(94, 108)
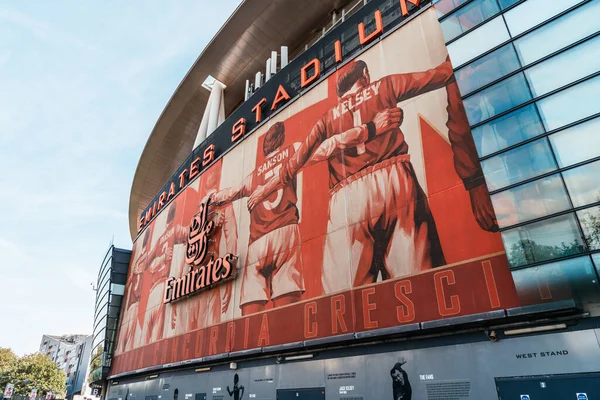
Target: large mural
point(361, 205)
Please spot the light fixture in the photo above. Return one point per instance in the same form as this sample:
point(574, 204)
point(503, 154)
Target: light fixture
point(152, 376)
point(544, 328)
point(300, 357)
point(203, 369)
point(233, 365)
point(115, 383)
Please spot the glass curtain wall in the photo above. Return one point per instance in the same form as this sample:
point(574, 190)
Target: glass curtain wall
point(529, 74)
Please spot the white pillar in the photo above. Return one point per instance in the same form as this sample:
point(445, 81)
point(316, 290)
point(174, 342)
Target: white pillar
point(216, 103)
point(257, 80)
point(214, 113)
point(284, 56)
point(268, 70)
point(273, 62)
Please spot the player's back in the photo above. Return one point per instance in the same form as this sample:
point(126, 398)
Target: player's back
point(279, 208)
point(356, 109)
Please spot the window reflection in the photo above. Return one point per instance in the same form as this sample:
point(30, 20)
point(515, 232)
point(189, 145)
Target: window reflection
point(507, 3)
point(583, 184)
point(590, 223)
point(543, 241)
point(444, 7)
point(508, 130)
point(567, 67)
point(571, 105)
point(570, 279)
point(479, 41)
point(494, 66)
point(577, 144)
point(533, 200)
point(517, 165)
point(497, 99)
point(559, 34)
point(533, 12)
point(468, 17)
point(596, 258)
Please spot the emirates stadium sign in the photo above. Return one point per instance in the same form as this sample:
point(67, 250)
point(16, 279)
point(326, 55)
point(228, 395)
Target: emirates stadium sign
point(370, 24)
point(202, 275)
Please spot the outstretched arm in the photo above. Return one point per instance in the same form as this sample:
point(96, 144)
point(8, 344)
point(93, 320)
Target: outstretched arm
point(405, 86)
point(229, 195)
point(318, 147)
point(466, 161)
point(383, 121)
point(288, 170)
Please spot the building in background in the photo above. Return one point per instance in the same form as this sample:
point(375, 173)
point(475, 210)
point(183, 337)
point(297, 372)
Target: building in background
point(71, 353)
point(109, 294)
point(399, 202)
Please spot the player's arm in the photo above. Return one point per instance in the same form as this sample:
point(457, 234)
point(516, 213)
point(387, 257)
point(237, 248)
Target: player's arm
point(288, 170)
point(466, 161)
point(405, 86)
point(383, 121)
point(229, 195)
point(230, 230)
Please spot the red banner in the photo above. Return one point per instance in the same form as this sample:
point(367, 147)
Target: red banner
point(477, 286)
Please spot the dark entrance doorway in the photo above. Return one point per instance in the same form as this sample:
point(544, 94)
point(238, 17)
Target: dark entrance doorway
point(550, 387)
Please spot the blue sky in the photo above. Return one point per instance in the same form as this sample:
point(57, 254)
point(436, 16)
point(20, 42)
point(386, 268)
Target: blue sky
point(81, 86)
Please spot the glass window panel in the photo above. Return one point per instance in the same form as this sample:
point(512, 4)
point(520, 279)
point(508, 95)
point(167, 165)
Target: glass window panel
point(117, 289)
point(565, 68)
point(533, 12)
point(570, 279)
point(468, 17)
point(507, 3)
point(577, 144)
point(543, 241)
point(583, 184)
point(517, 165)
point(559, 34)
point(487, 69)
point(571, 105)
point(590, 223)
point(497, 99)
point(508, 130)
point(596, 258)
point(444, 7)
point(479, 41)
point(533, 200)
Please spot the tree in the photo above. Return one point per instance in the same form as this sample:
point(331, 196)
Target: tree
point(527, 251)
point(96, 364)
point(33, 371)
point(7, 360)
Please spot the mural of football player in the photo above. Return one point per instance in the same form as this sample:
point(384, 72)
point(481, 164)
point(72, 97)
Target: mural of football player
point(173, 233)
point(391, 228)
point(131, 326)
point(206, 308)
point(275, 272)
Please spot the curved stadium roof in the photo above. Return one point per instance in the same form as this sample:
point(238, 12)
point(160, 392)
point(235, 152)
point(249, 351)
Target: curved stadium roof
point(235, 54)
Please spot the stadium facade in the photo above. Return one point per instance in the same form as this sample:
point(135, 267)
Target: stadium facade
point(404, 203)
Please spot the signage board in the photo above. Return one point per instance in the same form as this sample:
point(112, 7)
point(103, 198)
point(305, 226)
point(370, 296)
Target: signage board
point(8, 390)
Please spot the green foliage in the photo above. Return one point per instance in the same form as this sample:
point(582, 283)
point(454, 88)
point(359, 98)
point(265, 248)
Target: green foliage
point(33, 371)
point(7, 360)
point(528, 251)
point(96, 364)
